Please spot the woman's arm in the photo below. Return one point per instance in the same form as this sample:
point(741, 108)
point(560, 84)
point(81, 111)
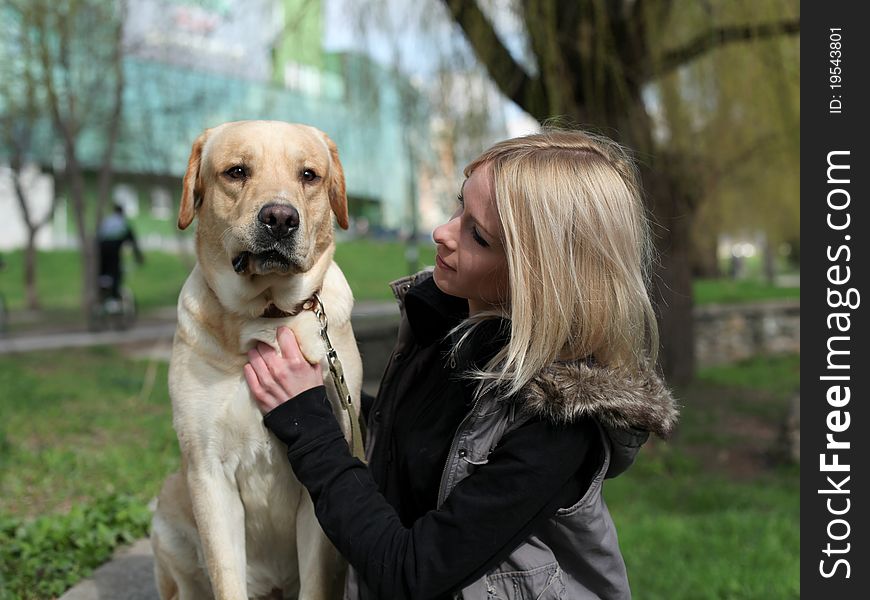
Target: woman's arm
point(528, 477)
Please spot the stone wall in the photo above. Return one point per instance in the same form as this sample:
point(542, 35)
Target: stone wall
point(726, 333)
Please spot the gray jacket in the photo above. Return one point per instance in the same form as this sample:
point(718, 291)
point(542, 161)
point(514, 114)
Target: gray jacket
point(576, 555)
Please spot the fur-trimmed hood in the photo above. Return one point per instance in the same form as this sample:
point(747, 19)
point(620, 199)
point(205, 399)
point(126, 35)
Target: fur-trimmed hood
point(618, 398)
point(628, 404)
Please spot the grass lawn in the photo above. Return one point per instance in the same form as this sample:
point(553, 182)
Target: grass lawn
point(77, 425)
point(86, 440)
point(368, 266)
point(726, 291)
point(712, 513)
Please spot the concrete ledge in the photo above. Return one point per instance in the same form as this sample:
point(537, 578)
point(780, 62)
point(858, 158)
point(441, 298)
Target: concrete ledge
point(128, 576)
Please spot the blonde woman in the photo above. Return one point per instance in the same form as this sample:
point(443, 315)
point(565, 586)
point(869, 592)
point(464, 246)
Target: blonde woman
point(521, 379)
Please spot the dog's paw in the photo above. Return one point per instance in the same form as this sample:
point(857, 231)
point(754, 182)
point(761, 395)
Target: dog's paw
point(307, 331)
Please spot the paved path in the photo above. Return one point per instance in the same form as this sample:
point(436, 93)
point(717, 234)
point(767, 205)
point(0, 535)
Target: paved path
point(78, 339)
point(128, 576)
point(146, 331)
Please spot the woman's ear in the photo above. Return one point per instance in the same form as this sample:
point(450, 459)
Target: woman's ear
point(336, 185)
point(191, 192)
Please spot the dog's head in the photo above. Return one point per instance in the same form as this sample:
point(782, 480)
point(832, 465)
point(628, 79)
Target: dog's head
point(263, 192)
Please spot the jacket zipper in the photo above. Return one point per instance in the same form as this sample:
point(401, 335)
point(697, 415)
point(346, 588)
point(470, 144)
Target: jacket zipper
point(453, 448)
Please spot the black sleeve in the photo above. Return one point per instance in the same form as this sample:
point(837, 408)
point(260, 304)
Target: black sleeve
point(528, 477)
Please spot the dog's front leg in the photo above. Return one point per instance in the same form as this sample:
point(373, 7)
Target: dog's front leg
point(220, 519)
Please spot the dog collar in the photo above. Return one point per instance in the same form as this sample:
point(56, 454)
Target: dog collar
point(273, 312)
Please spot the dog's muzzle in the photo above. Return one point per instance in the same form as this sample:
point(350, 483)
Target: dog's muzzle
point(272, 261)
point(276, 226)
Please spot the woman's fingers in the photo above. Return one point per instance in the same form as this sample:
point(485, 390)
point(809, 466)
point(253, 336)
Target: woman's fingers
point(289, 344)
point(253, 380)
point(267, 352)
point(256, 360)
point(263, 397)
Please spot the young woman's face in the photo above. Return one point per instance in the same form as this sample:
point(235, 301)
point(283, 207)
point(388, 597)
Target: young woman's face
point(470, 260)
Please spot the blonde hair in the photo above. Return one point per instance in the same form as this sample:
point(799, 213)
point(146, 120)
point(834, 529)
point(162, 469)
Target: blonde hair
point(579, 257)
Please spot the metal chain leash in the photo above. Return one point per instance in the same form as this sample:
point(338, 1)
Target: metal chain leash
point(337, 372)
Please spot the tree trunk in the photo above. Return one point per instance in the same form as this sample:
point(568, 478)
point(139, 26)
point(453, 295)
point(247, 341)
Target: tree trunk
point(672, 285)
point(705, 258)
point(768, 261)
point(89, 276)
point(76, 188)
point(671, 198)
point(30, 271)
point(32, 297)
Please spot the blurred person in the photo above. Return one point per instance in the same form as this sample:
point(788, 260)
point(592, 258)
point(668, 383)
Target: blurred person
point(114, 232)
point(522, 378)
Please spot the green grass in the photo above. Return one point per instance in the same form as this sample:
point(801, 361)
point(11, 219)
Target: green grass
point(691, 528)
point(688, 531)
point(77, 425)
point(368, 266)
point(59, 282)
point(689, 534)
point(41, 558)
point(85, 439)
point(727, 291)
point(779, 375)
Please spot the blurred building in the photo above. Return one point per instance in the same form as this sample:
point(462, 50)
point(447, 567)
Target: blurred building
point(188, 67)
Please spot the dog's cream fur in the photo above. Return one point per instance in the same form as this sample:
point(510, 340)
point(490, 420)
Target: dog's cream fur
point(235, 523)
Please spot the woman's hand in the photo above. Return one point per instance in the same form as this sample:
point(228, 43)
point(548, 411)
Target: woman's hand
point(274, 379)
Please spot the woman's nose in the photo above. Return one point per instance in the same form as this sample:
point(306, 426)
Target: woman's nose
point(445, 232)
point(441, 234)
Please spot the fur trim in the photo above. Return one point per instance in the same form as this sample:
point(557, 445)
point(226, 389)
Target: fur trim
point(618, 398)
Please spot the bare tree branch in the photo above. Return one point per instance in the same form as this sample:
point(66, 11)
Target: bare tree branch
point(507, 74)
point(647, 17)
point(719, 37)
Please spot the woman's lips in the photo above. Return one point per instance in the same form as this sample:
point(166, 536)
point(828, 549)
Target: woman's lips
point(440, 262)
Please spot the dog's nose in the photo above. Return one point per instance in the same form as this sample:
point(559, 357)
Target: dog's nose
point(279, 219)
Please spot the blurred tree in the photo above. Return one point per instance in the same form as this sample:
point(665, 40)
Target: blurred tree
point(19, 120)
point(77, 61)
point(619, 65)
point(744, 125)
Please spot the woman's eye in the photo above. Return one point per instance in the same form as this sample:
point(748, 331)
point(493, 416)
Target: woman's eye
point(477, 238)
point(309, 175)
point(236, 172)
point(459, 199)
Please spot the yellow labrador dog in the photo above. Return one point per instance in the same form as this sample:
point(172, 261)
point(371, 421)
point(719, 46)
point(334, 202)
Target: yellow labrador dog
point(235, 523)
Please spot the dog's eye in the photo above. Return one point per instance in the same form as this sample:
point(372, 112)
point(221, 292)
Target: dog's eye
point(309, 175)
point(236, 172)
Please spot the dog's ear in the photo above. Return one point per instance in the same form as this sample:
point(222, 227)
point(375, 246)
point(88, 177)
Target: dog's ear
point(336, 185)
point(191, 193)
